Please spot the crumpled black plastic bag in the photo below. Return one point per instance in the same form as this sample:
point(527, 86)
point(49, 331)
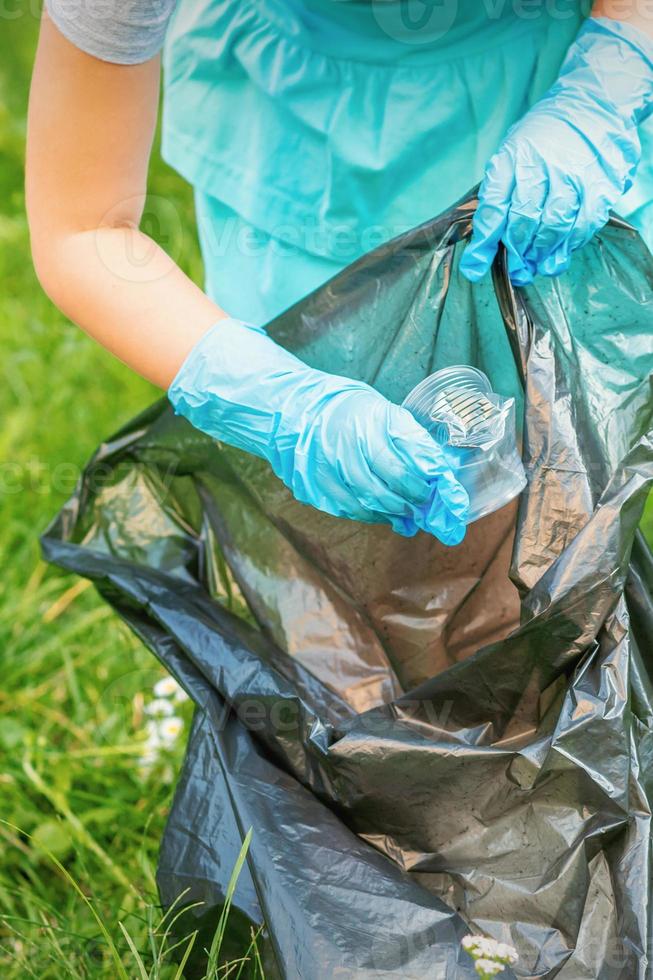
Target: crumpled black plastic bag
point(426, 741)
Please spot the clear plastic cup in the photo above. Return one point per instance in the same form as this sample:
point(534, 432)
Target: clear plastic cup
point(476, 429)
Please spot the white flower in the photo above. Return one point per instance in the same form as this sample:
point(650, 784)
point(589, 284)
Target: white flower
point(489, 968)
point(167, 687)
point(486, 950)
point(506, 953)
point(153, 744)
point(149, 756)
point(160, 734)
point(170, 729)
point(160, 708)
point(480, 946)
point(163, 731)
point(152, 731)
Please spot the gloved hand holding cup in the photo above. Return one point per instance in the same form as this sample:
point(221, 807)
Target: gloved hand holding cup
point(476, 430)
point(336, 443)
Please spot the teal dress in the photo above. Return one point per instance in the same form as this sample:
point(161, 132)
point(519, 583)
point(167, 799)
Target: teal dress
point(312, 130)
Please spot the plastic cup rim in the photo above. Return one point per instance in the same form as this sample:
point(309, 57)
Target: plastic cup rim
point(422, 395)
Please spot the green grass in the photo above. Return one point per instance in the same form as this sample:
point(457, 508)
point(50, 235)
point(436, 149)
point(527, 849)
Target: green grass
point(74, 680)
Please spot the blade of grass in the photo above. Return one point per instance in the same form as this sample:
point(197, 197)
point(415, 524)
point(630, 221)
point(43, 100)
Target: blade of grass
point(42, 925)
point(252, 947)
point(218, 936)
point(71, 881)
point(182, 963)
point(58, 801)
point(17, 699)
point(137, 956)
point(170, 926)
point(20, 960)
point(228, 968)
point(52, 935)
point(259, 964)
point(61, 604)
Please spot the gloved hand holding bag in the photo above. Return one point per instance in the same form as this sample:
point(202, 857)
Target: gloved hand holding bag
point(564, 166)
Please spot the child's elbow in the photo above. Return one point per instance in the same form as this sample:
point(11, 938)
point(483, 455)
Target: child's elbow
point(51, 261)
point(44, 244)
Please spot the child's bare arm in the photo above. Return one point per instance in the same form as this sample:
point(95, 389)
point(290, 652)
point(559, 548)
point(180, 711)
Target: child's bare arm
point(90, 133)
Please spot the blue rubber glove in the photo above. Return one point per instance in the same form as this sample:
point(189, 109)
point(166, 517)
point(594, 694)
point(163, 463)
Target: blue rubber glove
point(336, 443)
point(562, 167)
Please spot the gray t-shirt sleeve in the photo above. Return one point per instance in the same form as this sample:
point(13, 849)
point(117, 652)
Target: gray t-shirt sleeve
point(122, 31)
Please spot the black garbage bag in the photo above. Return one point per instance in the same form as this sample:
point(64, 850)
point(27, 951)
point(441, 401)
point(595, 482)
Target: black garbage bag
point(425, 741)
